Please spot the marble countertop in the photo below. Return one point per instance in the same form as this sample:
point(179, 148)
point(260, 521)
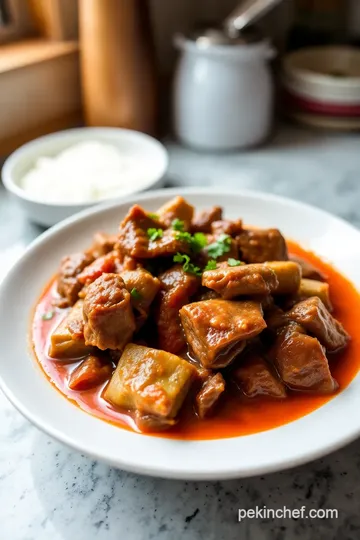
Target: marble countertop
point(48, 491)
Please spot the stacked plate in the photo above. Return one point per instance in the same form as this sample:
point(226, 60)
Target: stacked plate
point(322, 86)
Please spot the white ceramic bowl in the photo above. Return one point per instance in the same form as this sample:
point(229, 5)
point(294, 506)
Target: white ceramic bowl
point(328, 74)
point(324, 430)
point(148, 150)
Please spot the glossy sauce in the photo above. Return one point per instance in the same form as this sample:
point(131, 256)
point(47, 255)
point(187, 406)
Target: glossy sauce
point(237, 414)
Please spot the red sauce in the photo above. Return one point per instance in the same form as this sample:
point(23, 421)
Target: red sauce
point(237, 415)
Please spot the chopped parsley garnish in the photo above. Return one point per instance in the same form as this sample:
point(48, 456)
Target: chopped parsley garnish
point(48, 316)
point(177, 224)
point(184, 236)
point(199, 241)
point(211, 265)
point(153, 216)
point(196, 241)
point(188, 266)
point(234, 262)
point(154, 234)
point(135, 294)
point(220, 247)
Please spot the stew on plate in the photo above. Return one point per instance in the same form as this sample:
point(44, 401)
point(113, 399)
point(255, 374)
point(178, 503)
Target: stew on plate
point(194, 326)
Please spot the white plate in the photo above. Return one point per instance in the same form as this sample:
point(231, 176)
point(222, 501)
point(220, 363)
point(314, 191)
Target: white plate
point(323, 431)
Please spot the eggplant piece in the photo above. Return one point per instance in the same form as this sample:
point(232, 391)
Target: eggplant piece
point(67, 340)
point(150, 381)
point(312, 287)
point(288, 274)
point(217, 330)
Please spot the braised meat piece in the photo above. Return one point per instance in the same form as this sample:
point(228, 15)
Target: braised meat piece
point(226, 226)
point(301, 362)
point(276, 319)
point(102, 244)
point(142, 237)
point(92, 371)
point(143, 288)
point(315, 318)
point(68, 285)
point(148, 423)
point(248, 279)
point(176, 208)
point(309, 271)
point(219, 247)
point(255, 378)
point(150, 381)
point(217, 330)
point(108, 315)
point(178, 286)
point(105, 264)
point(203, 220)
point(67, 340)
point(261, 245)
point(208, 397)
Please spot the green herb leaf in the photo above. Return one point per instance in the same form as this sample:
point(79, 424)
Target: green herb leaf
point(183, 236)
point(234, 262)
point(48, 316)
point(177, 224)
point(153, 216)
point(188, 266)
point(199, 241)
point(211, 265)
point(135, 294)
point(220, 247)
point(154, 234)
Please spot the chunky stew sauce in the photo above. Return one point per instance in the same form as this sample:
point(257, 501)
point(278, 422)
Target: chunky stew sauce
point(192, 326)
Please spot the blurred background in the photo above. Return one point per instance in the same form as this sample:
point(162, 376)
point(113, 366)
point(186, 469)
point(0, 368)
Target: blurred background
point(118, 70)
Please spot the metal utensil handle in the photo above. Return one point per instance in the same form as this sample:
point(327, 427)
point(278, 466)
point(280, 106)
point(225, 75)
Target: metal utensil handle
point(248, 12)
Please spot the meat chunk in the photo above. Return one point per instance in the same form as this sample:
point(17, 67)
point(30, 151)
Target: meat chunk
point(67, 340)
point(302, 363)
point(312, 287)
point(68, 285)
point(228, 249)
point(226, 226)
point(92, 371)
point(178, 287)
point(143, 288)
point(105, 264)
point(308, 270)
point(150, 381)
point(248, 279)
point(102, 244)
point(217, 330)
point(288, 275)
point(136, 240)
point(148, 423)
point(276, 319)
point(261, 245)
point(203, 220)
point(108, 315)
point(255, 378)
point(177, 208)
point(315, 318)
point(208, 397)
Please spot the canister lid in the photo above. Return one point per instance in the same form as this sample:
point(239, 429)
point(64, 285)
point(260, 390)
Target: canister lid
point(205, 37)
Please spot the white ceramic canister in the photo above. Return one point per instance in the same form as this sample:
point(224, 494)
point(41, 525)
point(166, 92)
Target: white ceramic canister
point(223, 91)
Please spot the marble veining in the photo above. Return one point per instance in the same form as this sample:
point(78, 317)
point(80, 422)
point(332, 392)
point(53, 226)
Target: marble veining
point(48, 491)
